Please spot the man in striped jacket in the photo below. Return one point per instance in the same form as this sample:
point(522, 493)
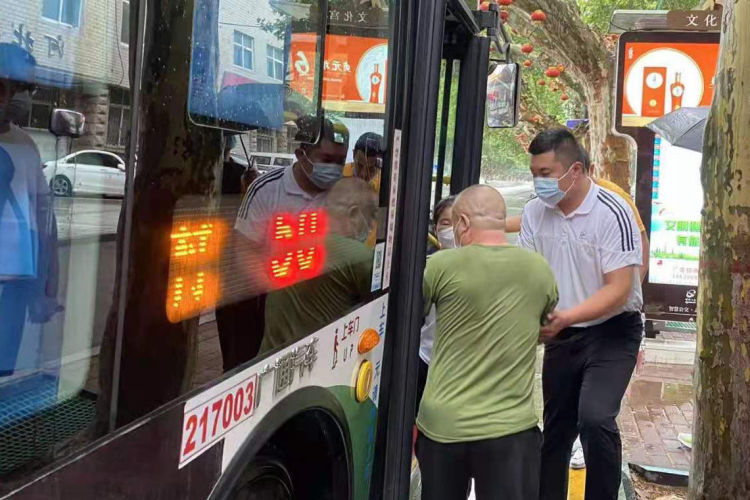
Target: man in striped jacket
point(590, 238)
point(301, 187)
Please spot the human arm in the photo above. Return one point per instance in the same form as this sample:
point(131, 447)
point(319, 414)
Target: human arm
point(619, 253)
point(646, 254)
point(513, 224)
point(526, 237)
point(611, 296)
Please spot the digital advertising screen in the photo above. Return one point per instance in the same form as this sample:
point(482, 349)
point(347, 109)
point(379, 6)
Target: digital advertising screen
point(661, 77)
point(676, 202)
point(354, 71)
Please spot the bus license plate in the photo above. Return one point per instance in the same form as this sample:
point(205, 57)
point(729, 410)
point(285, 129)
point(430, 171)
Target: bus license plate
point(207, 423)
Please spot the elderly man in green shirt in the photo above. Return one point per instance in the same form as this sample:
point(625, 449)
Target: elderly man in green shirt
point(477, 419)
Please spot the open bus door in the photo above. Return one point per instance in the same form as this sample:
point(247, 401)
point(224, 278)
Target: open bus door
point(437, 43)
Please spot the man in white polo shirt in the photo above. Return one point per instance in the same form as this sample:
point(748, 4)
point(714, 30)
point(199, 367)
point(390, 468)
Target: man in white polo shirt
point(590, 238)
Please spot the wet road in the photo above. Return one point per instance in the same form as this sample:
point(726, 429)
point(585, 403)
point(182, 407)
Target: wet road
point(79, 216)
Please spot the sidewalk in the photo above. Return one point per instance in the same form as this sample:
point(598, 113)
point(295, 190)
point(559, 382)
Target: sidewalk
point(656, 408)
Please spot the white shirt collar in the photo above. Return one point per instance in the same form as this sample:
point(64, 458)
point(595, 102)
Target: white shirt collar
point(291, 186)
point(586, 205)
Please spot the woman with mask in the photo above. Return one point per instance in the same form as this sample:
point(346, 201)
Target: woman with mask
point(444, 234)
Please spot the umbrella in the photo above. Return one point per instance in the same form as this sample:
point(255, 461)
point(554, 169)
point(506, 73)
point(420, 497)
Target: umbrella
point(683, 128)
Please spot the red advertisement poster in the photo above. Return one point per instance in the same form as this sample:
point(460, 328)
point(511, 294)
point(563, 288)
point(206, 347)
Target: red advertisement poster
point(354, 71)
point(662, 77)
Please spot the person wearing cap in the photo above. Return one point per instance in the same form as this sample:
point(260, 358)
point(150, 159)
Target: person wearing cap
point(589, 236)
point(28, 232)
point(477, 418)
point(369, 151)
point(301, 187)
point(295, 311)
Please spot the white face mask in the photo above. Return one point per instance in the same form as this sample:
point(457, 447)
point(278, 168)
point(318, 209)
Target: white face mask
point(446, 238)
point(457, 237)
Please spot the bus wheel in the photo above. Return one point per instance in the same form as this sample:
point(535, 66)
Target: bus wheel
point(266, 478)
point(61, 186)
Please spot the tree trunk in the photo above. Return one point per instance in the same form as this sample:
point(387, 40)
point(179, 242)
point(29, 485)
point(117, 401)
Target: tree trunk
point(584, 53)
point(177, 159)
point(721, 456)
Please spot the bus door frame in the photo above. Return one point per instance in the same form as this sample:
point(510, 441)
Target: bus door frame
point(416, 53)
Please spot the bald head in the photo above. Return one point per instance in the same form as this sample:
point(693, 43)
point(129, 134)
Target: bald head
point(479, 216)
point(483, 205)
point(352, 205)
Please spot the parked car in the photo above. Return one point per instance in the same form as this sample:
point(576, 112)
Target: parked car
point(86, 172)
point(270, 161)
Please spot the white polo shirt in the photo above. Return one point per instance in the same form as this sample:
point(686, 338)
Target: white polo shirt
point(271, 193)
point(599, 237)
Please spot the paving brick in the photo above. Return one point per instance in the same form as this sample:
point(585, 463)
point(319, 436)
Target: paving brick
point(648, 432)
point(683, 429)
point(672, 445)
point(679, 460)
point(666, 431)
point(659, 460)
point(678, 419)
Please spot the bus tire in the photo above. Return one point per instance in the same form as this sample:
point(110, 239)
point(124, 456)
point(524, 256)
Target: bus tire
point(265, 478)
point(61, 186)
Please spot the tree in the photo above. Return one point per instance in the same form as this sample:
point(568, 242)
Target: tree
point(156, 357)
point(574, 35)
point(721, 456)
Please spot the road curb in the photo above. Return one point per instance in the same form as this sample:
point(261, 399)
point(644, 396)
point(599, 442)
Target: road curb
point(662, 475)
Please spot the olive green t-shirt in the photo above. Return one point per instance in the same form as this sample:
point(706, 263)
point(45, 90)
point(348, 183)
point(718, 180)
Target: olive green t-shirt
point(303, 308)
point(490, 303)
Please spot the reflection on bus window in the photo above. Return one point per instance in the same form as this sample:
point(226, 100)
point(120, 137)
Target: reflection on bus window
point(253, 211)
point(61, 189)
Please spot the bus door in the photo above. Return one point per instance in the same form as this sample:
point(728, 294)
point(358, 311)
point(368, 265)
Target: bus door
point(441, 62)
point(475, 44)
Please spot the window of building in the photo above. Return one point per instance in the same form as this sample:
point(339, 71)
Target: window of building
point(42, 101)
point(125, 28)
point(118, 123)
point(265, 140)
point(275, 62)
point(62, 11)
point(243, 50)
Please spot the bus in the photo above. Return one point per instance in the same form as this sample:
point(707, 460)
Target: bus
point(216, 332)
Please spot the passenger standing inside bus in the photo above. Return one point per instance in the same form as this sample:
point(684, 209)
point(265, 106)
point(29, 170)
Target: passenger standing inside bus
point(302, 186)
point(295, 311)
point(590, 238)
point(477, 419)
point(369, 151)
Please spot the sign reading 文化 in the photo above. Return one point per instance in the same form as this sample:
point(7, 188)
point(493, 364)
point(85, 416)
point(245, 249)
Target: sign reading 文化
point(694, 20)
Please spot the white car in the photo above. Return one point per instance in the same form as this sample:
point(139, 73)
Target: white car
point(86, 172)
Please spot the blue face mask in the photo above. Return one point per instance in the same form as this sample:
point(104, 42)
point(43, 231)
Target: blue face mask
point(325, 175)
point(548, 190)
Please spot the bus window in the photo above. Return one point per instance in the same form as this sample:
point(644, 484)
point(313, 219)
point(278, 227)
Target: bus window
point(61, 196)
point(121, 291)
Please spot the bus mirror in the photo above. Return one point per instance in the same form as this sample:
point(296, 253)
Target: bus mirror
point(503, 91)
point(66, 123)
